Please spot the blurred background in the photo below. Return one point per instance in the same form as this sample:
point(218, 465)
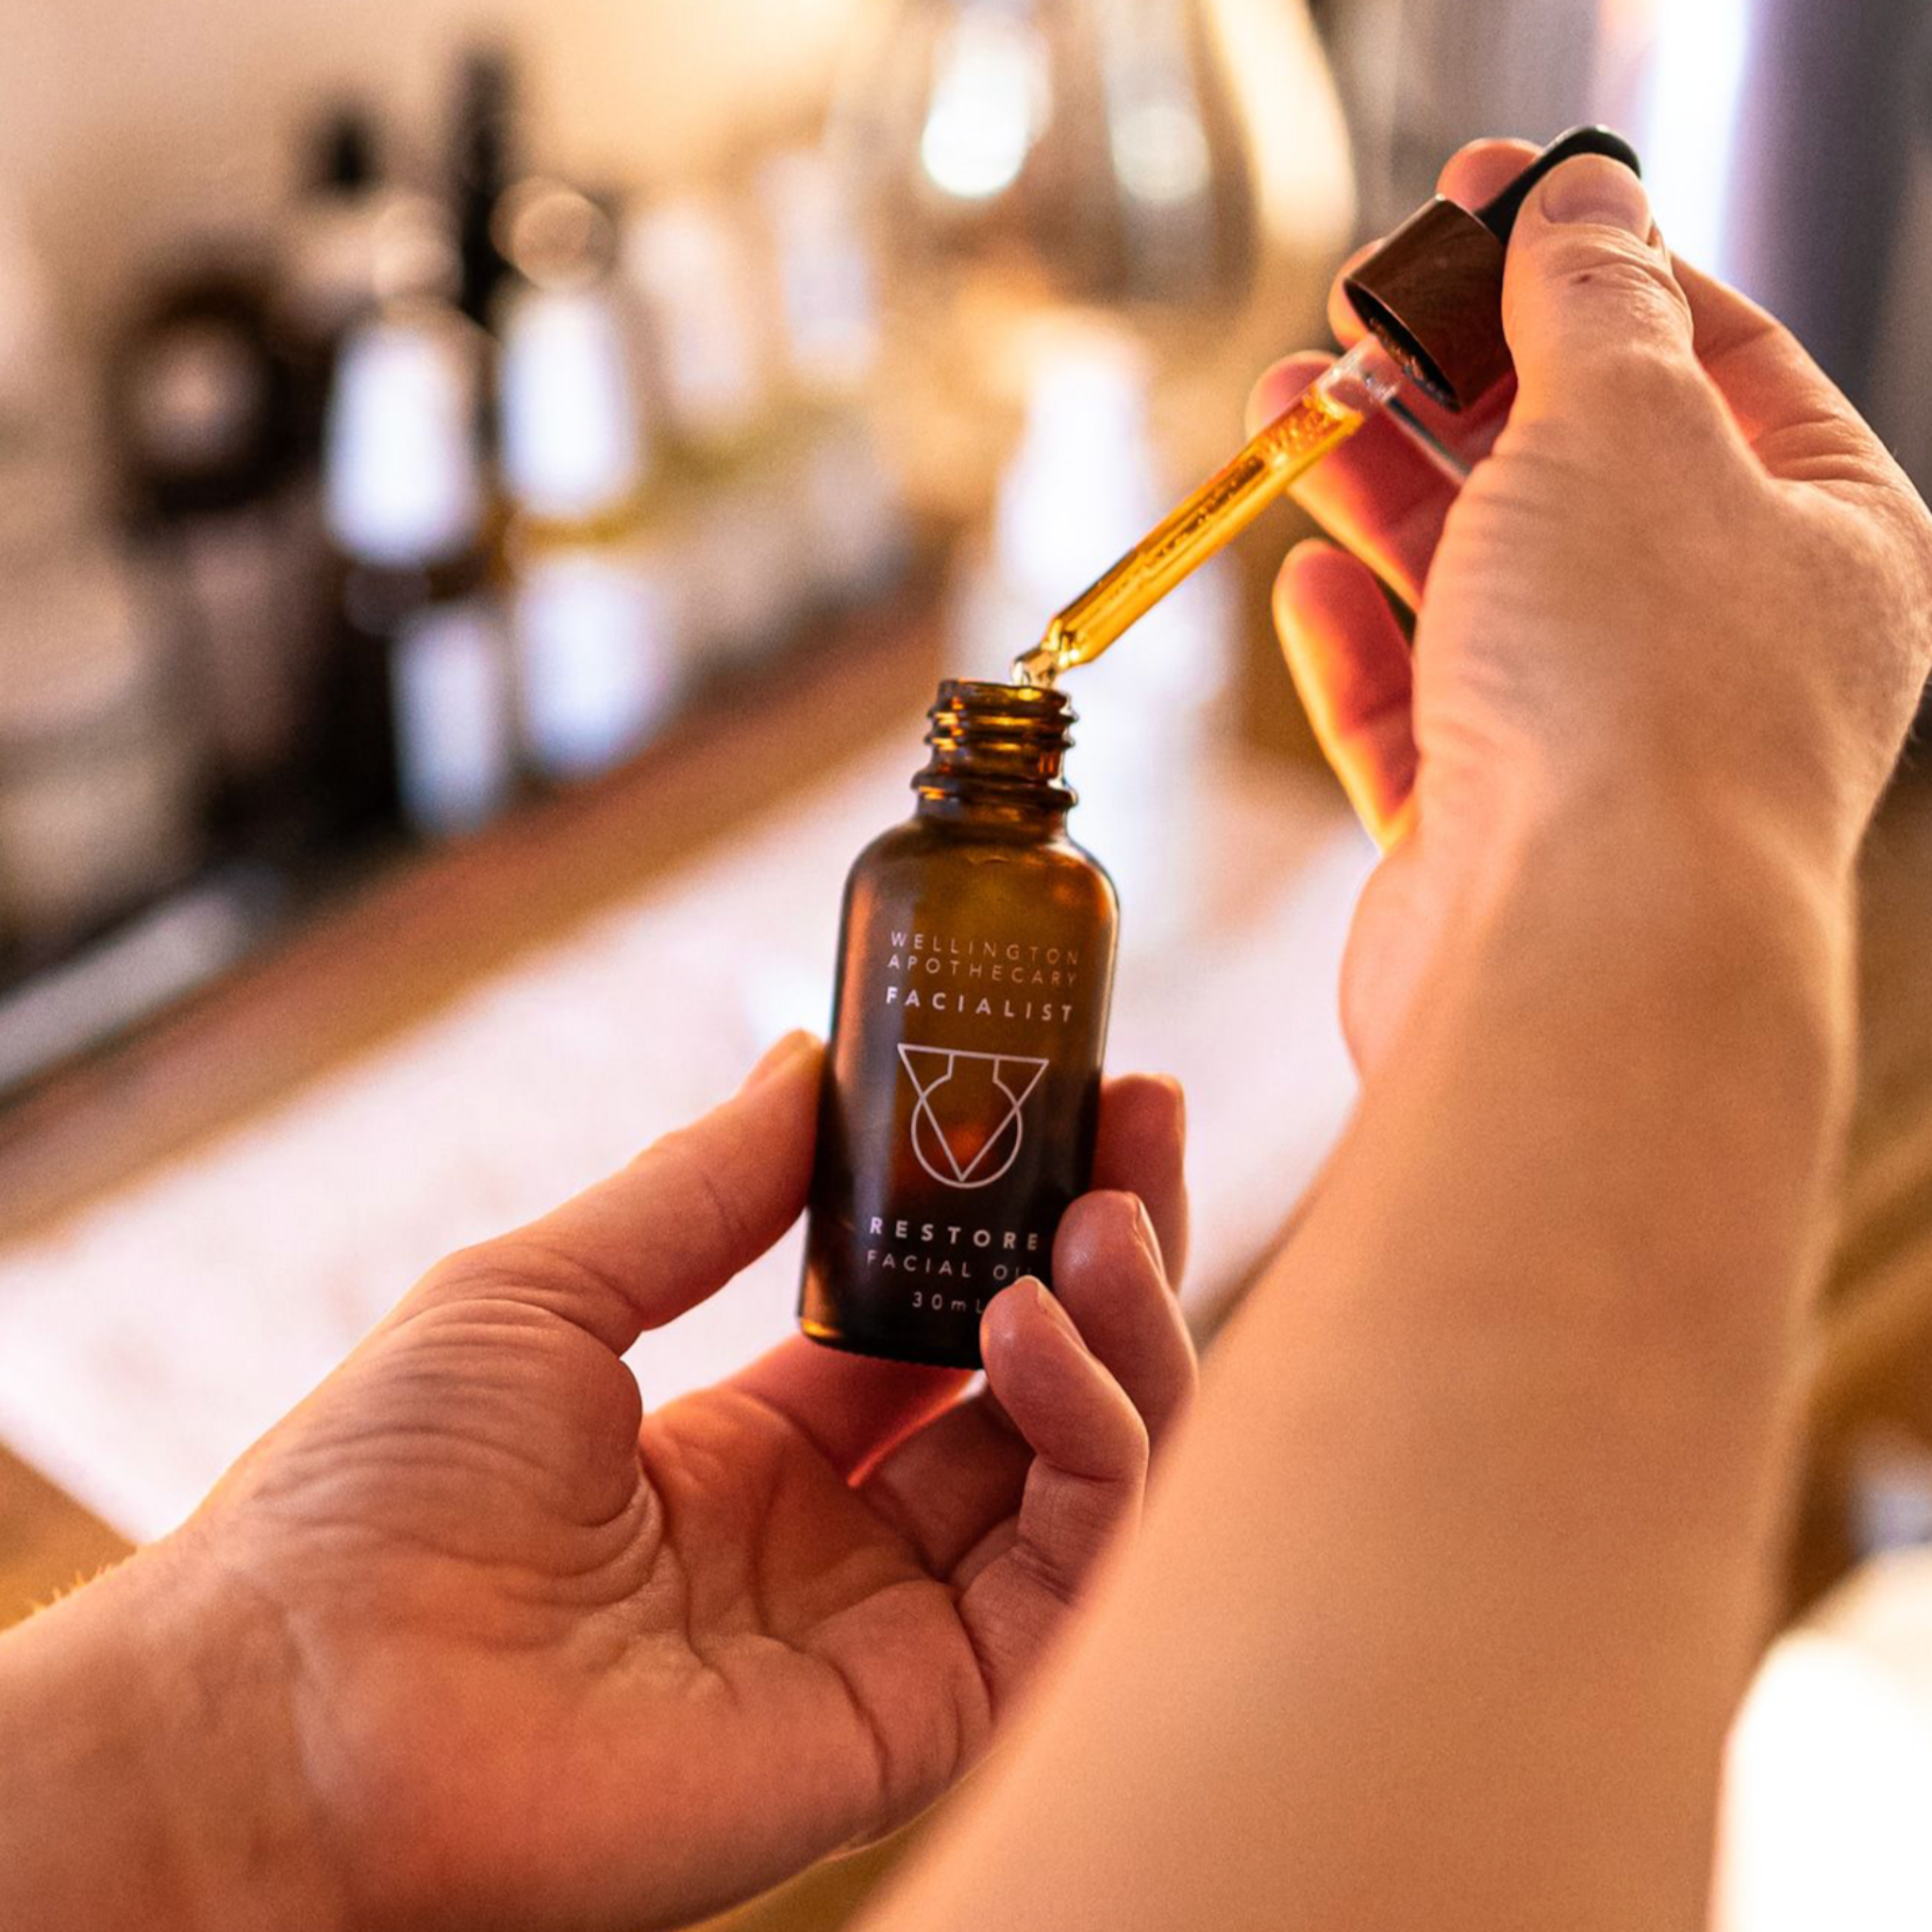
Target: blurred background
point(486, 492)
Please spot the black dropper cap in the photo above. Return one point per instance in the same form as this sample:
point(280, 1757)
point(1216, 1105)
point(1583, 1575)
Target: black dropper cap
point(1432, 294)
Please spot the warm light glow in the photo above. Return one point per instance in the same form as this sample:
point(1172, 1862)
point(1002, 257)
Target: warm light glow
point(989, 104)
point(1303, 177)
point(1160, 153)
point(1686, 117)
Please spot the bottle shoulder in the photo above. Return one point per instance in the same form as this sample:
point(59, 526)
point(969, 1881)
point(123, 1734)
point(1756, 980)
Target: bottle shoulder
point(921, 855)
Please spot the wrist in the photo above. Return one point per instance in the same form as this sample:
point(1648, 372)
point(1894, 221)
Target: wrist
point(1677, 972)
point(1684, 852)
point(148, 1766)
point(1653, 803)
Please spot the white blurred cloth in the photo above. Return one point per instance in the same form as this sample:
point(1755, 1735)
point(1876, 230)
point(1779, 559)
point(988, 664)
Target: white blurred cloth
point(147, 1339)
point(1828, 1770)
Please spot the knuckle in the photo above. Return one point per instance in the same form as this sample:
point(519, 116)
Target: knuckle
point(525, 1266)
point(1132, 1450)
point(467, 1270)
point(1626, 270)
point(1583, 280)
point(685, 1166)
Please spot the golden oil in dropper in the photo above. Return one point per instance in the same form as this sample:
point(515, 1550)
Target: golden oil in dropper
point(1324, 415)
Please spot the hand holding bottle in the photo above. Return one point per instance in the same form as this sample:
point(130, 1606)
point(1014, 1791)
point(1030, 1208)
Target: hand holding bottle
point(466, 1638)
point(1681, 598)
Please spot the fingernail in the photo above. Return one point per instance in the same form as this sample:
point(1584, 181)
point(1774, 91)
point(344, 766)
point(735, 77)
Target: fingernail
point(1145, 1232)
point(1593, 188)
point(781, 1057)
point(1049, 1306)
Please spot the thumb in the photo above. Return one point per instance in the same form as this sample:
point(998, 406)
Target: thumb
point(1591, 306)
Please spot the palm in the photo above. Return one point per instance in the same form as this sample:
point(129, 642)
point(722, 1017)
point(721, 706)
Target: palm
point(623, 1669)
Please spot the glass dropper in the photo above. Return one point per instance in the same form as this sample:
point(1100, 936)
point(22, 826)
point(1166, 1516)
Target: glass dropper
point(1327, 412)
point(1431, 297)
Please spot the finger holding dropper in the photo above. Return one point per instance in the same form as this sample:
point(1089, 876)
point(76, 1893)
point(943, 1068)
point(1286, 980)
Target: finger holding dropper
point(1430, 297)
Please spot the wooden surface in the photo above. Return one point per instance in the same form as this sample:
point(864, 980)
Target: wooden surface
point(48, 1542)
point(391, 956)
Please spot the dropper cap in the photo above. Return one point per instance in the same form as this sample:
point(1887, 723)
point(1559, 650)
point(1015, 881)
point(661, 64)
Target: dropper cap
point(1432, 294)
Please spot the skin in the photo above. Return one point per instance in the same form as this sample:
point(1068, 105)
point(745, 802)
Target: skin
point(467, 1640)
point(1446, 1593)
point(1444, 1603)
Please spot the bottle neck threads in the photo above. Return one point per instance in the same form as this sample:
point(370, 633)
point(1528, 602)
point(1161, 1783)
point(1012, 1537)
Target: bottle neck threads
point(996, 748)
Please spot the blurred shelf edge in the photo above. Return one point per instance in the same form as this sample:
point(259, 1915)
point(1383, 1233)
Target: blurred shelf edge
point(383, 955)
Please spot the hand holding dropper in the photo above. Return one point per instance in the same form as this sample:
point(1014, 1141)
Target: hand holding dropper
point(1431, 296)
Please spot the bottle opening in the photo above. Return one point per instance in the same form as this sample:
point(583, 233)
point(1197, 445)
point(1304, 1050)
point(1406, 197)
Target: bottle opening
point(998, 744)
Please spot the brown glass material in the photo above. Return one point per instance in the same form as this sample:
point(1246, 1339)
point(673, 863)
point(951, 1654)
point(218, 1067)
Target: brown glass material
point(963, 1093)
point(1433, 294)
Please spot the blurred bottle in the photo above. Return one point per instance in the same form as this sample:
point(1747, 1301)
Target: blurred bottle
point(1180, 165)
point(823, 292)
point(204, 426)
point(420, 721)
point(334, 240)
point(482, 165)
point(202, 393)
point(691, 263)
point(594, 605)
point(97, 775)
point(97, 793)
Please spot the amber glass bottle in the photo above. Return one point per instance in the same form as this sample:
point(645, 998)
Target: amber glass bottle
point(962, 1095)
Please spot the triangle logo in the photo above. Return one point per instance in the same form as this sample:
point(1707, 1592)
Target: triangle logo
point(968, 1117)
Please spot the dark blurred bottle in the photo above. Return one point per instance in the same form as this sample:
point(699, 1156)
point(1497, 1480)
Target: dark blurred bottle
point(482, 165)
point(203, 421)
point(420, 730)
point(331, 257)
point(201, 392)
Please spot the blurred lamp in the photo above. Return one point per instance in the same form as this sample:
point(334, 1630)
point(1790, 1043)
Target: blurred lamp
point(1176, 165)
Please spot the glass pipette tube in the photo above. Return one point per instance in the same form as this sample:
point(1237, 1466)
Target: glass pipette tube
point(1327, 412)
